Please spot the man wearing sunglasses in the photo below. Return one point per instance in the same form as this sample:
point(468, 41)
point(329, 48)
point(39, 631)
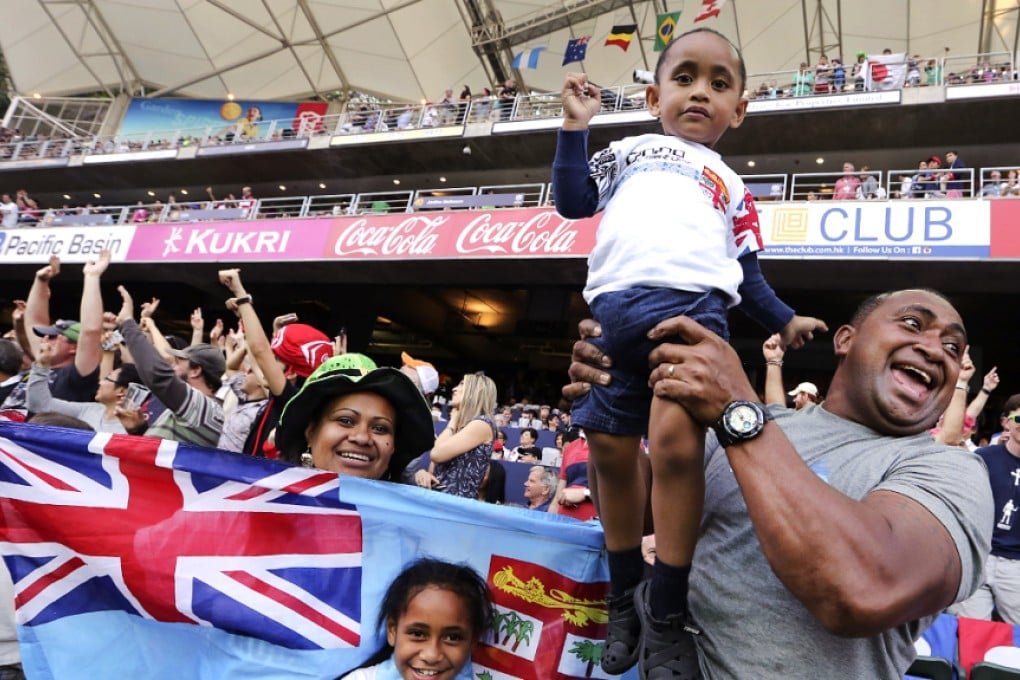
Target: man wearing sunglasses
point(1001, 590)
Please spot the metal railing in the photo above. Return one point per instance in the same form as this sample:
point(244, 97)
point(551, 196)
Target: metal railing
point(912, 183)
point(365, 118)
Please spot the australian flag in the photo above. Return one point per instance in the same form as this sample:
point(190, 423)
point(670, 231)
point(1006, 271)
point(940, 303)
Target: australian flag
point(576, 50)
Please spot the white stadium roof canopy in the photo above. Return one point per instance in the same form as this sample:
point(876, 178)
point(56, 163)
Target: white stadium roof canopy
point(409, 50)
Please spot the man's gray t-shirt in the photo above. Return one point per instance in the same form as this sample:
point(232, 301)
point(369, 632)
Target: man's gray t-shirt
point(752, 627)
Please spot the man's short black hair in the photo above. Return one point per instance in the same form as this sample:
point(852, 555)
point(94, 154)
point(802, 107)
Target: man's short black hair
point(865, 309)
point(10, 357)
point(1012, 404)
point(736, 50)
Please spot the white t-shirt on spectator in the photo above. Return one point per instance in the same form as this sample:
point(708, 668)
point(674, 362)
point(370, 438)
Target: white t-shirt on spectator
point(10, 213)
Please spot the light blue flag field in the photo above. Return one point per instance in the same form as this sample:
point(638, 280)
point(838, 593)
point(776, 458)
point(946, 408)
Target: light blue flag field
point(135, 557)
point(527, 57)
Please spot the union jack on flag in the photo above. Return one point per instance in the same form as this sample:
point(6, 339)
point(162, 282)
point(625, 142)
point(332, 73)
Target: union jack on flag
point(176, 533)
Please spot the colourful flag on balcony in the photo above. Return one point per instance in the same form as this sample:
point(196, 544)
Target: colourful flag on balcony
point(576, 50)
point(666, 24)
point(711, 9)
point(527, 57)
point(621, 36)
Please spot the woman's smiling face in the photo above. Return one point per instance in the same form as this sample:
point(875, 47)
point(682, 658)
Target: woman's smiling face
point(356, 435)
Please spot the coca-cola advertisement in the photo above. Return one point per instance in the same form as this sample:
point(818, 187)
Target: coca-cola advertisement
point(533, 232)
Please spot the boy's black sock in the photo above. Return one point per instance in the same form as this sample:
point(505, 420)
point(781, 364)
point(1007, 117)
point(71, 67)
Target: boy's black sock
point(668, 590)
point(626, 567)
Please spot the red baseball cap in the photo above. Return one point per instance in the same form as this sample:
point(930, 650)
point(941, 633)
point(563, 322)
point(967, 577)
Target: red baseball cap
point(301, 348)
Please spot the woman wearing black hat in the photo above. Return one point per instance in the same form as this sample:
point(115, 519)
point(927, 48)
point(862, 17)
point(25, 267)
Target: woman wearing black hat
point(356, 419)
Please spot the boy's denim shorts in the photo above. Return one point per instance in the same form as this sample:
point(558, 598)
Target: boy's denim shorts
point(622, 407)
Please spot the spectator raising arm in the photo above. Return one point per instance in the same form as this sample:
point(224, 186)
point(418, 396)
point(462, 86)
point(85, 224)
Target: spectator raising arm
point(197, 326)
point(951, 431)
point(773, 352)
point(989, 384)
point(155, 372)
point(37, 307)
point(254, 335)
point(20, 332)
point(86, 359)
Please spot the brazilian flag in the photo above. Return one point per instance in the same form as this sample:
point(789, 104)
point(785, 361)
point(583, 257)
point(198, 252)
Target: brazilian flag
point(666, 29)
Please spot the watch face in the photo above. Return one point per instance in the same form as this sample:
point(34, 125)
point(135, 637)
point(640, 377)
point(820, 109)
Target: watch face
point(742, 419)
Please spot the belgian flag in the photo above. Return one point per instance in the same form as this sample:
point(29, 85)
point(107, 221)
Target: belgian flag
point(666, 29)
point(621, 36)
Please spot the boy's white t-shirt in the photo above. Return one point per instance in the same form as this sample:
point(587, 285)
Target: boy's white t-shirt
point(675, 216)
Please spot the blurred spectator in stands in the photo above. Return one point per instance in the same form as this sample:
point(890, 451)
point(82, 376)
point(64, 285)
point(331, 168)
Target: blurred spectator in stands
point(430, 118)
point(838, 75)
point(463, 450)
point(906, 186)
point(539, 488)
point(156, 211)
point(247, 202)
point(823, 76)
point(75, 346)
point(215, 204)
point(803, 80)
point(499, 446)
point(993, 187)
point(140, 214)
point(187, 385)
point(868, 188)
point(29, 209)
point(573, 494)
point(482, 107)
point(423, 374)
point(493, 488)
point(464, 103)
point(506, 95)
point(527, 443)
point(11, 370)
point(447, 107)
point(914, 71)
point(921, 180)
point(956, 178)
point(932, 72)
point(937, 181)
point(9, 210)
point(859, 72)
point(846, 186)
point(1011, 187)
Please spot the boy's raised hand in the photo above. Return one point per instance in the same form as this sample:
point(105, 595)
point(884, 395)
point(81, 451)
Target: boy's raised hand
point(800, 330)
point(581, 101)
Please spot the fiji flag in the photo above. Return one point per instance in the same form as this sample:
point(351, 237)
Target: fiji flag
point(576, 50)
point(200, 563)
point(529, 57)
